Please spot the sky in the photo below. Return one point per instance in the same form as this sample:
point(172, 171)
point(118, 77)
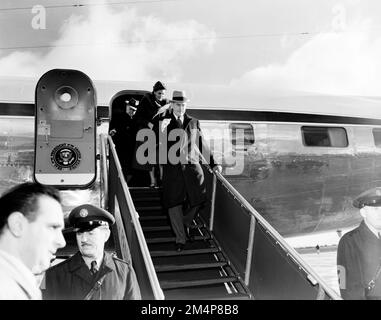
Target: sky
point(324, 46)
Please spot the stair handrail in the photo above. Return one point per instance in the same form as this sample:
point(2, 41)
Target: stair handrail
point(104, 173)
point(312, 276)
point(157, 291)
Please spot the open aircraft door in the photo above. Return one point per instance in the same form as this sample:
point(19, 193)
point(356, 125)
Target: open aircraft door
point(65, 130)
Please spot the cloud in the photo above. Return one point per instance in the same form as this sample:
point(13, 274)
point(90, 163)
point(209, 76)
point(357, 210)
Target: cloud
point(116, 45)
point(344, 62)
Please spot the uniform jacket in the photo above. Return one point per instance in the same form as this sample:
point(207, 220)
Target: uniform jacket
point(186, 179)
point(359, 254)
point(17, 282)
point(124, 138)
point(72, 280)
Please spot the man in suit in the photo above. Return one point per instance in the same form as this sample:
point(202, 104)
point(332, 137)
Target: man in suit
point(359, 251)
point(183, 177)
point(92, 273)
point(31, 223)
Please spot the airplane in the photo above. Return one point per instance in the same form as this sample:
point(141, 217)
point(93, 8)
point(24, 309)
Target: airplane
point(292, 162)
point(302, 158)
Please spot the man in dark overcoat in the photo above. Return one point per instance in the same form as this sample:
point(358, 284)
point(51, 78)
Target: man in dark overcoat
point(91, 273)
point(122, 128)
point(359, 251)
point(184, 189)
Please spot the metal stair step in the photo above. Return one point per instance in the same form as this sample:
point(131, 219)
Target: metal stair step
point(172, 239)
point(232, 296)
point(150, 218)
point(166, 228)
point(150, 208)
point(144, 192)
point(194, 283)
point(183, 294)
point(167, 253)
point(148, 199)
point(179, 267)
point(156, 228)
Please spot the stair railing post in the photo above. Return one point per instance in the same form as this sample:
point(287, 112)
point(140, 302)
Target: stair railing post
point(104, 180)
point(250, 250)
point(213, 201)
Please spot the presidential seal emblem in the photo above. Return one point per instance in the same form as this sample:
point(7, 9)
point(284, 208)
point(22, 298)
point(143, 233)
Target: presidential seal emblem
point(65, 157)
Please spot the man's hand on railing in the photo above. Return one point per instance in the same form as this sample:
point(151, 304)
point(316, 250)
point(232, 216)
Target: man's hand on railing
point(217, 168)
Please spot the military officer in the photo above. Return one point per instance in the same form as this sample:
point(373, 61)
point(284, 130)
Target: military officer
point(123, 131)
point(359, 251)
point(91, 273)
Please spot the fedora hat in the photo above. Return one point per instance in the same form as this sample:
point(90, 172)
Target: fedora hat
point(179, 96)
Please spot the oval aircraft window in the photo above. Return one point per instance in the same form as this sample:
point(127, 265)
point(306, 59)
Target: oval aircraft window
point(324, 137)
point(242, 134)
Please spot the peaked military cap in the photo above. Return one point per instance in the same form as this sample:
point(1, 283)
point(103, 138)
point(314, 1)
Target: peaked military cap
point(371, 198)
point(133, 103)
point(87, 217)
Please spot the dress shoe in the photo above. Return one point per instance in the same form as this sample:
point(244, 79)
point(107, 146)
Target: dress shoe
point(188, 234)
point(179, 247)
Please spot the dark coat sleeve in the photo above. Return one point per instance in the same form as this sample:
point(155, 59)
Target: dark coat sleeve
point(132, 288)
point(204, 148)
point(349, 271)
point(57, 281)
point(114, 124)
point(145, 111)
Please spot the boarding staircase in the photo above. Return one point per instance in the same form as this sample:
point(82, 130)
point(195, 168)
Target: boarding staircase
point(236, 253)
point(201, 270)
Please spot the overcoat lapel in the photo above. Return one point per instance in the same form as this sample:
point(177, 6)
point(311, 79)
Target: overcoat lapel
point(79, 268)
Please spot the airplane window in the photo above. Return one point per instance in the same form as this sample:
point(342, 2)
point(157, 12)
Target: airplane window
point(377, 137)
point(242, 134)
point(324, 137)
point(217, 137)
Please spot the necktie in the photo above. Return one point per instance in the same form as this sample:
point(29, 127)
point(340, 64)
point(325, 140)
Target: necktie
point(93, 267)
point(179, 122)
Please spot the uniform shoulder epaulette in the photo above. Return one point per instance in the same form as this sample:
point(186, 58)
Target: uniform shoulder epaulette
point(118, 259)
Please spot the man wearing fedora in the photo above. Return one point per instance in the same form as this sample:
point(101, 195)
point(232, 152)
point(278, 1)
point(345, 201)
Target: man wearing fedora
point(359, 251)
point(184, 190)
point(91, 273)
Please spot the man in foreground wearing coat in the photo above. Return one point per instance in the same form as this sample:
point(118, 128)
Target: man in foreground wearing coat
point(359, 251)
point(183, 177)
point(92, 273)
